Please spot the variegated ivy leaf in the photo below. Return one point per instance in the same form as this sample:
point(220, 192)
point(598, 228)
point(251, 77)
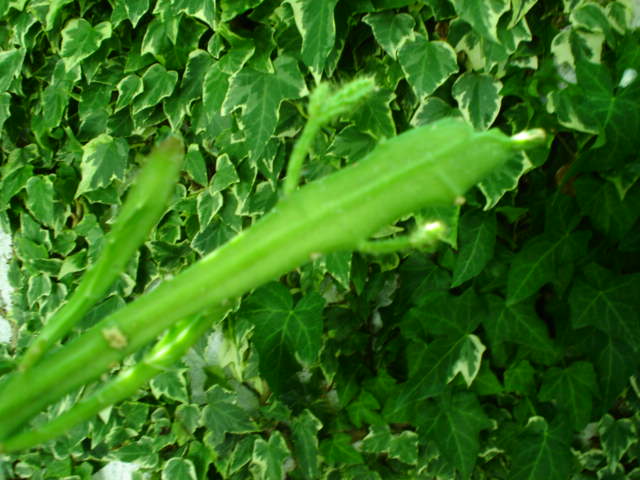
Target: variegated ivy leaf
point(80, 39)
point(317, 27)
point(10, 66)
point(259, 94)
point(269, 457)
point(158, 83)
point(482, 15)
point(478, 97)
point(427, 65)
point(104, 159)
point(390, 29)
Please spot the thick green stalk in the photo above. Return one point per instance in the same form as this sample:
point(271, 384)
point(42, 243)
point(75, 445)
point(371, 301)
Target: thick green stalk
point(430, 165)
point(145, 204)
point(167, 351)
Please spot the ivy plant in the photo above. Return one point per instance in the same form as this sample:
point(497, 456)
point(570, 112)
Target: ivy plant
point(507, 349)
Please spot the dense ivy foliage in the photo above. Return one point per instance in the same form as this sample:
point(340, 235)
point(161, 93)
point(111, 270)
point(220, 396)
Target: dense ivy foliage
point(507, 353)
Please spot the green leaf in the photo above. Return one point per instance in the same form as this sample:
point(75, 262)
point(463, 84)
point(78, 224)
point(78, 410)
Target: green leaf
point(176, 467)
point(104, 159)
point(170, 384)
point(608, 302)
point(432, 367)
point(5, 108)
point(596, 105)
point(518, 324)
point(158, 83)
point(403, 446)
point(427, 65)
point(317, 28)
point(519, 378)
point(390, 29)
point(338, 449)
point(220, 416)
point(541, 451)
point(305, 428)
point(374, 116)
point(615, 363)
point(572, 390)
point(225, 174)
point(10, 66)
point(142, 452)
point(195, 165)
point(80, 39)
point(537, 262)
point(482, 15)
point(454, 425)
point(284, 331)
point(600, 201)
point(135, 9)
point(477, 232)
point(258, 95)
point(504, 179)
point(617, 436)
point(40, 199)
point(478, 97)
point(128, 88)
point(55, 96)
point(233, 8)
point(269, 457)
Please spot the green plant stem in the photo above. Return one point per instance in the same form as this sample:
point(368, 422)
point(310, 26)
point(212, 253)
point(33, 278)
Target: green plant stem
point(430, 165)
point(173, 346)
point(300, 150)
point(145, 204)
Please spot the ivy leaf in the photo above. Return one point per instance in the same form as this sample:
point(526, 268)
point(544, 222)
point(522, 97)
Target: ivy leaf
point(40, 199)
point(617, 436)
point(477, 233)
point(615, 363)
point(179, 468)
point(269, 457)
point(572, 389)
point(158, 83)
point(483, 15)
point(504, 179)
point(454, 424)
point(170, 384)
point(519, 378)
point(432, 368)
point(338, 449)
point(478, 97)
point(284, 331)
point(220, 416)
point(596, 105)
point(403, 446)
point(538, 261)
point(607, 302)
point(233, 8)
point(390, 29)
point(541, 451)
point(104, 159)
point(258, 95)
point(601, 202)
point(317, 28)
point(427, 65)
point(305, 428)
point(518, 324)
point(10, 66)
point(80, 39)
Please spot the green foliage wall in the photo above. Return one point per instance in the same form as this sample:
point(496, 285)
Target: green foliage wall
point(509, 353)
